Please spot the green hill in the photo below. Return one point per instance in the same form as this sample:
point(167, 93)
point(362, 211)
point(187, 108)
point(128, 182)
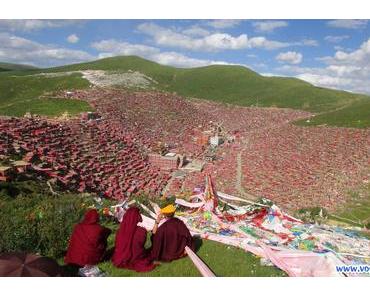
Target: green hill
point(223, 83)
point(355, 115)
point(227, 83)
point(21, 94)
point(11, 67)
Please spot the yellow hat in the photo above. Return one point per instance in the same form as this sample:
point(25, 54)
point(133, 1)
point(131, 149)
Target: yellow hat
point(169, 209)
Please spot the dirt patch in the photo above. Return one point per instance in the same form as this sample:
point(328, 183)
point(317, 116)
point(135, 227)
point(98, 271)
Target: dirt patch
point(101, 78)
point(131, 79)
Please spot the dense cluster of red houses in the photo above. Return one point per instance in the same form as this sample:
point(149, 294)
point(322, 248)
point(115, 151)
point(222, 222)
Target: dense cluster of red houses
point(294, 166)
point(154, 118)
point(116, 152)
point(307, 166)
point(92, 156)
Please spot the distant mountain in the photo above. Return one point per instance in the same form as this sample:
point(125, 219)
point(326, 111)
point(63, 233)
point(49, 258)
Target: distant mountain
point(227, 83)
point(222, 83)
point(11, 67)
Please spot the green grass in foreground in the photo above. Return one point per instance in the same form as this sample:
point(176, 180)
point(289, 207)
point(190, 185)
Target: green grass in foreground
point(356, 211)
point(221, 259)
point(20, 94)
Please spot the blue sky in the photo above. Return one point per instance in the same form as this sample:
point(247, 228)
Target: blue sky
point(329, 53)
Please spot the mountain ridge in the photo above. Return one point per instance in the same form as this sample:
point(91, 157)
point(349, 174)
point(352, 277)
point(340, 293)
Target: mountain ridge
point(232, 84)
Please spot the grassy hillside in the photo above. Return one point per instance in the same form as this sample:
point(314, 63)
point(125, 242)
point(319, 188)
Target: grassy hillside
point(357, 210)
point(44, 223)
point(20, 94)
point(355, 115)
point(233, 262)
point(229, 84)
point(11, 67)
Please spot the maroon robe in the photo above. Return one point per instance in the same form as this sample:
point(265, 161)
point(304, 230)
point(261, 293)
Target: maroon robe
point(88, 242)
point(129, 251)
point(170, 240)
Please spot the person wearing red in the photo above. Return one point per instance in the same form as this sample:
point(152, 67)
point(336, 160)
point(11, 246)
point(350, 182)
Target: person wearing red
point(170, 238)
point(88, 243)
point(129, 251)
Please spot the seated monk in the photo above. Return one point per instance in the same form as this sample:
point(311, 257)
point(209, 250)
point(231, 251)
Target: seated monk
point(88, 242)
point(170, 238)
point(129, 251)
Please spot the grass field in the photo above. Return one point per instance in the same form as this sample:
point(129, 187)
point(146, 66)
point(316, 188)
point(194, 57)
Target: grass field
point(356, 115)
point(20, 94)
point(221, 259)
point(12, 66)
point(357, 211)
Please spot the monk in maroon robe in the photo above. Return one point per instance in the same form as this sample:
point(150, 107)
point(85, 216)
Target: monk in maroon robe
point(88, 242)
point(170, 238)
point(129, 251)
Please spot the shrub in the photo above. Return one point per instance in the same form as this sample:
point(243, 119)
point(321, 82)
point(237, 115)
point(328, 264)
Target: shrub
point(312, 214)
point(39, 223)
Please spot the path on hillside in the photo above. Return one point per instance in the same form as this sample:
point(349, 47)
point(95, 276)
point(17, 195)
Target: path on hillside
point(239, 172)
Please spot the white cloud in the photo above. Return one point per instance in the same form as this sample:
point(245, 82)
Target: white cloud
point(269, 26)
point(33, 25)
point(290, 57)
point(213, 42)
point(124, 48)
point(344, 70)
point(324, 80)
point(73, 38)
point(337, 48)
point(180, 60)
point(348, 24)
point(308, 42)
point(269, 74)
point(260, 65)
point(359, 57)
point(195, 31)
point(262, 42)
point(114, 47)
point(305, 42)
point(16, 49)
point(167, 37)
point(336, 39)
point(223, 24)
